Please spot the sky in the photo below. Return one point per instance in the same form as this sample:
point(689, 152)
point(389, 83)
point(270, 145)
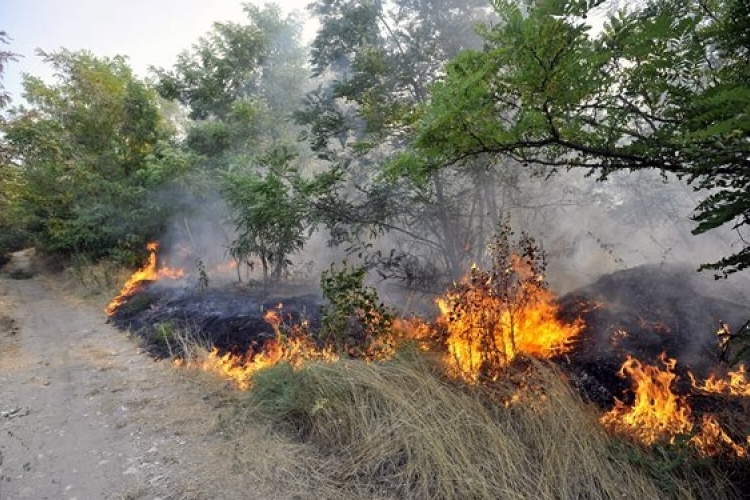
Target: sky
point(148, 32)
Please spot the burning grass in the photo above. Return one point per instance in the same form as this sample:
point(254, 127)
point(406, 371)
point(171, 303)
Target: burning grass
point(405, 427)
point(292, 343)
point(493, 315)
point(400, 429)
point(657, 412)
point(149, 272)
point(733, 383)
point(659, 415)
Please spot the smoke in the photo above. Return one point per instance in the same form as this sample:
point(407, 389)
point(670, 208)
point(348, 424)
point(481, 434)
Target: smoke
point(590, 228)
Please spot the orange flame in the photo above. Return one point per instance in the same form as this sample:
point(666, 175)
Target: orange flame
point(241, 369)
point(713, 439)
point(294, 349)
point(657, 413)
point(149, 272)
point(734, 384)
point(225, 267)
point(473, 332)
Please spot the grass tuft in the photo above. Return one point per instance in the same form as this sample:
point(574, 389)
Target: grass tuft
point(399, 429)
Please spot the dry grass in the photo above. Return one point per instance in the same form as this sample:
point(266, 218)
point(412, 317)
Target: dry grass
point(100, 281)
point(400, 430)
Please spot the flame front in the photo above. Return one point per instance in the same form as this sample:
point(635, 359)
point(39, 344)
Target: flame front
point(657, 412)
point(734, 384)
point(479, 330)
point(713, 440)
point(294, 349)
point(149, 272)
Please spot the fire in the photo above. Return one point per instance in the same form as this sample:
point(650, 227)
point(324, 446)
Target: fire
point(657, 412)
point(485, 329)
point(734, 384)
point(226, 267)
point(149, 272)
point(290, 347)
point(713, 439)
point(241, 369)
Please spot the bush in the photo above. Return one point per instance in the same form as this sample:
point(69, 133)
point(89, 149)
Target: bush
point(355, 321)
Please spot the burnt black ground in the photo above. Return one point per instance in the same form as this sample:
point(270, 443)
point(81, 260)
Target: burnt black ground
point(649, 310)
point(641, 312)
point(230, 318)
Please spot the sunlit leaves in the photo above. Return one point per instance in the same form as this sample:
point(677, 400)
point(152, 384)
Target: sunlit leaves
point(271, 217)
point(84, 151)
point(663, 87)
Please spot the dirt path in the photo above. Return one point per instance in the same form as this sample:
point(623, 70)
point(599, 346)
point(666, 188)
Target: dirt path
point(85, 414)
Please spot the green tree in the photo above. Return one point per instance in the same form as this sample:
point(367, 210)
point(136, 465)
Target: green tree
point(268, 210)
point(662, 88)
point(240, 82)
point(11, 238)
point(87, 154)
point(375, 62)
point(6, 56)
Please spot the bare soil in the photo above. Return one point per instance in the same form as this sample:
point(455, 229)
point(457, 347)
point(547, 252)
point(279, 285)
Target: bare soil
point(85, 413)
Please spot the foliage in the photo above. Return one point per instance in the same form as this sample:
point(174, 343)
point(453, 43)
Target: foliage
point(202, 283)
point(490, 305)
point(737, 345)
point(6, 56)
point(270, 215)
point(86, 158)
point(663, 87)
point(11, 238)
point(239, 82)
point(375, 62)
point(355, 321)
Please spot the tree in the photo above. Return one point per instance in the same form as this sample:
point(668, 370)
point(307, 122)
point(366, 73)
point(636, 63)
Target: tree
point(86, 156)
point(662, 88)
point(269, 215)
point(239, 82)
point(375, 62)
point(11, 238)
point(5, 57)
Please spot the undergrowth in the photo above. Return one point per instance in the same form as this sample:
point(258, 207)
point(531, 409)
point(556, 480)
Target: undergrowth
point(400, 429)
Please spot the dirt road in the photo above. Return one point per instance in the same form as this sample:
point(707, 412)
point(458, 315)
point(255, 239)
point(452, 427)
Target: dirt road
point(85, 414)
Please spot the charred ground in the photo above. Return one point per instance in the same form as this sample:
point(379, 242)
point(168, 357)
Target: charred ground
point(644, 312)
point(640, 312)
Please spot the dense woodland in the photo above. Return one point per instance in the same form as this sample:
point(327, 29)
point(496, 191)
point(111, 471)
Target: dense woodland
point(403, 133)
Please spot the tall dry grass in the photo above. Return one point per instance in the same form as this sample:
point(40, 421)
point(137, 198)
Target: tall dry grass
point(399, 429)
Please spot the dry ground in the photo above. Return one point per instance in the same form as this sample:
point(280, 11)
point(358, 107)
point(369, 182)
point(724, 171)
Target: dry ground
point(86, 414)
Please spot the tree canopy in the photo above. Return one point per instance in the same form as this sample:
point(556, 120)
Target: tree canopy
point(84, 157)
point(664, 87)
point(241, 83)
point(423, 119)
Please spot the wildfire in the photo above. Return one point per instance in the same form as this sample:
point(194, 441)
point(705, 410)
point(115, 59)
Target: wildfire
point(149, 272)
point(734, 384)
point(658, 414)
point(713, 439)
point(294, 349)
point(483, 330)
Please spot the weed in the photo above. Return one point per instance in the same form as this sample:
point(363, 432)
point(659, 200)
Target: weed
point(355, 321)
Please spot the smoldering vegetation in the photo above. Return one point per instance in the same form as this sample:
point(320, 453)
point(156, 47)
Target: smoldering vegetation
point(312, 201)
